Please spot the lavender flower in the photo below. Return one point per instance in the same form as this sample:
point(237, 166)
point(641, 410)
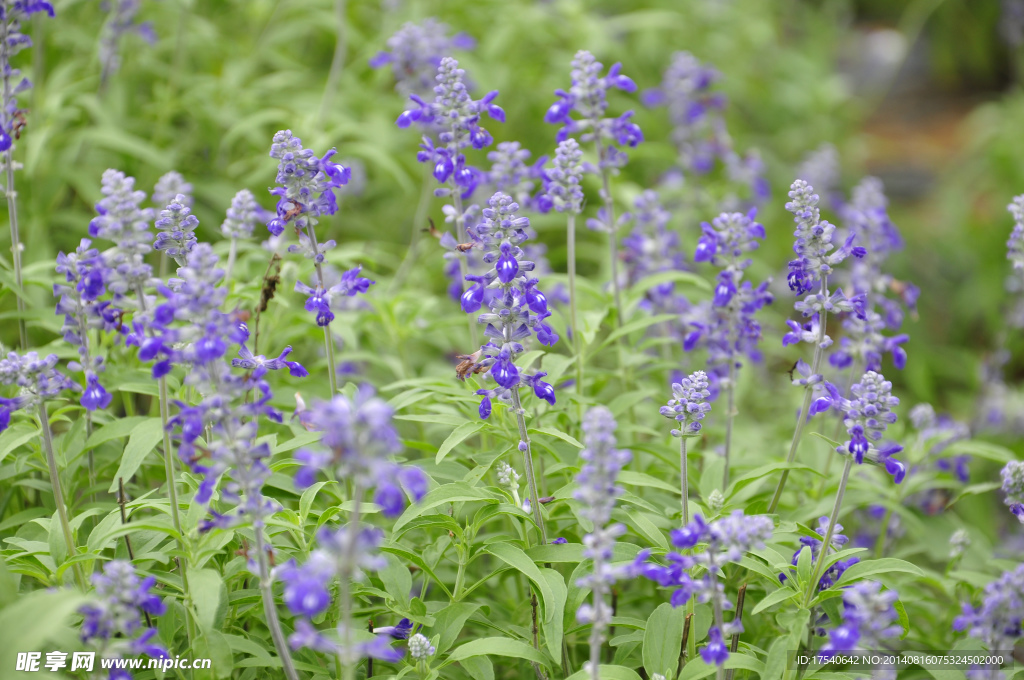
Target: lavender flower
point(936, 433)
point(813, 247)
point(869, 619)
point(688, 404)
point(120, 23)
point(242, 217)
point(997, 621)
point(651, 247)
point(177, 227)
point(699, 131)
point(112, 623)
point(1013, 486)
point(587, 98)
point(358, 442)
point(306, 191)
point(561, 187)
point(518, 308)
point(420, 648)
point(14, 13)
point(866, 417)
point(727, 539)
point(346, 553)
point(598, 492)
point(1015, 244)
point(122, 220)
point(169, 187)
point(820, 168)
point(729, 328)
point(85, 273)
point(415, 51)
point(36, 379)
point(510, 174)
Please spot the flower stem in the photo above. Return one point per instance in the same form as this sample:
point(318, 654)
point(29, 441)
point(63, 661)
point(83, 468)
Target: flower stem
point(730, 414)
point(332, 376)
point(460, 231)
point(577, 338)
point(345, 598)
point(684, 480)
point(827, 542)
point(531, 478)
point(270, 609)
point(58, 492)
point(12, 195)
point(609, 206)
point(801, 419)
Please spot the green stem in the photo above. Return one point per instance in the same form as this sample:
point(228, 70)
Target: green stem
point(577, 338)
point(684, 481)
point(801, 420)
point(58, 493)
point(12, 195)
point(524, 441)
point(730, 414)
point(827, 542)
point(270, 609)
point(345, 598)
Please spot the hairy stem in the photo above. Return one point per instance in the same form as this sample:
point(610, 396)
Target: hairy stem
point(270, 609)
point(684, 482)
point(801, 420)
point(531, 477)
point(58, 492)
point(345, 597)
point(12, 195)
point(827, 542)
point(577, 338)
point(730, 392)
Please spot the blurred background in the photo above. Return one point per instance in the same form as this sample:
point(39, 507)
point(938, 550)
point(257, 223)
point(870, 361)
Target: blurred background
point(924, 94)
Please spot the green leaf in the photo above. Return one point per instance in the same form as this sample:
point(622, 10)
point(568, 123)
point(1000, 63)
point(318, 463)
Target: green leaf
point(972, 490)
point(803, 566)
point(16, 436)
point(519, 560)
point(416, 559)
point(396, 579)
point(456, 492)
point(641, 479)
point(209, 596)
point(663, 638)
point(557, 434)
point(34, 620)
point(633, 326)
point(780, 595)
point(1000, 454)
point(122, 427)
point(607, 672)
point(458, 435)
point(554, 612)
point(886, 565)
point(143, 439)
point(497, 646)
point(448, 622)
point(58, 546)
point(215, 646)
point(307, 498)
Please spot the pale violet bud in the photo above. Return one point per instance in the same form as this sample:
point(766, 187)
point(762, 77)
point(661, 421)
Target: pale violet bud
point(958, 543)
point(1015, 245)
point(1013, 487)
point(420, 647)
point(716, 501)
point(689, 403)
point(508, 477)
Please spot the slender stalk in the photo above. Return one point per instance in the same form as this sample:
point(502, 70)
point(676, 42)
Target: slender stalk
point(854, 373)
point(460, 576)
point(609, 206)
point(337, 63)
point(460, 229)
point(12, 195)
point(832, 520)
point(270, 609)
point(801, 419)
point(232, 256)
point(127, 540)
point(717, 606)
point(577, 338)
point(58, 492)
point(531, 478)
point(684, 482)
point(345, 597)
point(730, 392)
point(734, 644)
point(332, 377)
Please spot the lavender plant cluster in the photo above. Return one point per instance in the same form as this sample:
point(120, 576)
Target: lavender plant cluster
point(204, 468)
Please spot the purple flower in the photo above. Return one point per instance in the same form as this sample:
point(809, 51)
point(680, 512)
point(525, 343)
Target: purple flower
point(869, 619)
point(997, 621)
point(37, 380)
point(715, 652)
point(688, 404)
point(415, 51)
point(518, 309)
point(120, 22)
point(112, 621)
point(866, 417)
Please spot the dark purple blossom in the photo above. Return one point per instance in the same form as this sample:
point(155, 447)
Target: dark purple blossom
point(112, 621)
